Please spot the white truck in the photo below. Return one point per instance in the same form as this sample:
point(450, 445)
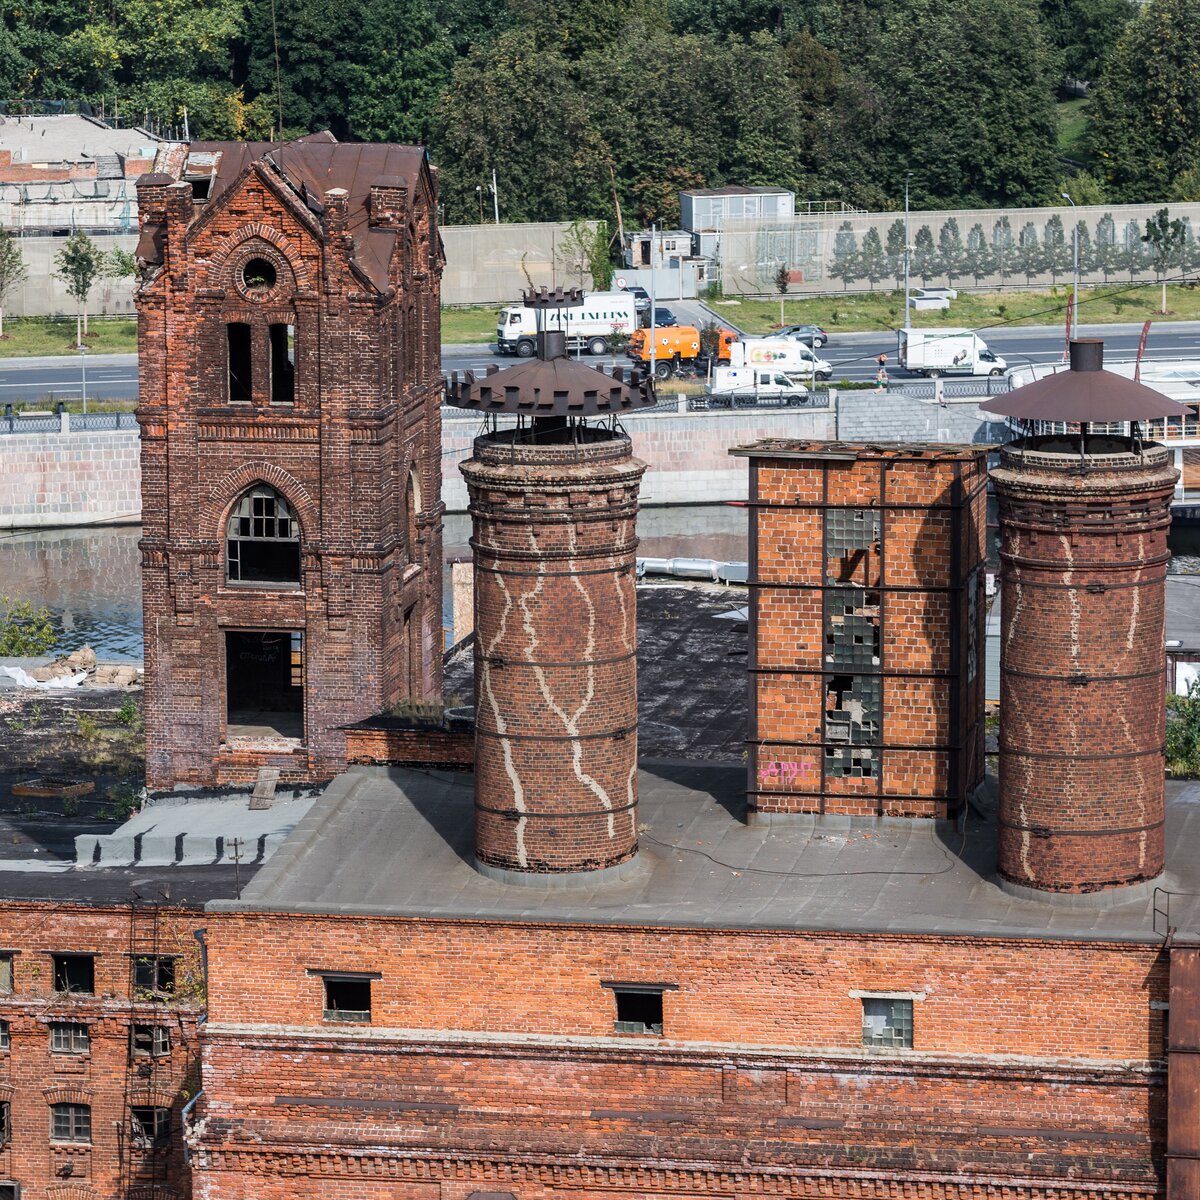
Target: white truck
point(731, 386)
point(936, 352)
point(789, 355)
point(589, 326)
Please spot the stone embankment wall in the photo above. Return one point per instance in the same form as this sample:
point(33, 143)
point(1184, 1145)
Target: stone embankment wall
point(53, 479)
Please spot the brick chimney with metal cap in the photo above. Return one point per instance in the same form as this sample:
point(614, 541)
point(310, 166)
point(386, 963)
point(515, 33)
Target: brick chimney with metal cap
point(553, 497)
point(1083, 550)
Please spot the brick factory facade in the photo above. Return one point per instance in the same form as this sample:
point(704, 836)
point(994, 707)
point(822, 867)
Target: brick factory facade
point(866, 619)
point(99, 1049)
point(291, 458)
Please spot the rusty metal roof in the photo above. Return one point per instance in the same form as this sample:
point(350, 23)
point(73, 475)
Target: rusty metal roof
point(554, 387)
point(1085, 393)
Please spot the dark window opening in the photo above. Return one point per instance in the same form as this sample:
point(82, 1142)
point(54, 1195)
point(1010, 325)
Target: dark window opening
point(347, 999)
point(262, 540)
point(5, 1036)
point(6, 973)
point(74, 973)
point(5, 1135)
point(154, 973)
point(149, 1041)
point(258, 275)
point(200, 187)
point(149, 1126)
point(264, 684)
point(241, 375)
point(71, 1122)
point(283, 364)
point(10, 1191)
point(70, 1038)
point(887, 1022)
point(638, 1011)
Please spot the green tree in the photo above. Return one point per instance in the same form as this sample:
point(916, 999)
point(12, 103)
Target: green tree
point(925, 263)
point(1137, 252)
point(1166, 239)
point(1083, 187)
point(873, 261)
point(846, 263)
point(895, 250)
point(13, 272)
point(78, 264)
point(951, 251)
point(25, 631)
point(782, 280)
point(1083, 32)
point(1145, 111)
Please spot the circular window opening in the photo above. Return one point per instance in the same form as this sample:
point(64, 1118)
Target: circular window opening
point(258, 275)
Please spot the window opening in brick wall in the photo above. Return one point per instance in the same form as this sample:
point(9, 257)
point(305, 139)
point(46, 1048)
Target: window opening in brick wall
point(852, 628)
point(8, 1189)
point(639, 1010)
point(200, 187)
point(154, 974)
point(262, 539)
point(283, 364)
point(240, 357)
point(5, 1127)
point(973, 583)
point(6, 973)
point(264, 683)
point(259, 275)
point(347, 998)
point(5, 1036)
point(887, 1021)
point(851, 539)
point(149, 1041)
point(853, 706)
point(149, 1126)
point(69, 1037)
point(71, 1122)
point(74, 973)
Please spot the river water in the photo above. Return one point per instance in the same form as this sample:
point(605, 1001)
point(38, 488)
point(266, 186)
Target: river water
point(89, 578)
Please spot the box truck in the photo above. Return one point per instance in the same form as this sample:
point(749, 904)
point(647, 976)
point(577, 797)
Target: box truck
point(935, 352)
point(675, 345)
point(754, 385)
point(589, 326)
point(789, 355)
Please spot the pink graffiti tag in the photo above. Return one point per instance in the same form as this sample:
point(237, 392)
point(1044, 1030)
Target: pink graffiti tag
point(783, 773)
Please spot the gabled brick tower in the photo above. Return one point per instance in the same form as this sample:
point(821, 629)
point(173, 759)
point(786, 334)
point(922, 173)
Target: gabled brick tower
point(1083, 553)
point(289, 393)
point(554, 503)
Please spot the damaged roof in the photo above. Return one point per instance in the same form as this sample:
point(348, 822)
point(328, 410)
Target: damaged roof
point(312, 166)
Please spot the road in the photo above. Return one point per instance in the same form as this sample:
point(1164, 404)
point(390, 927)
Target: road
point(852, 355)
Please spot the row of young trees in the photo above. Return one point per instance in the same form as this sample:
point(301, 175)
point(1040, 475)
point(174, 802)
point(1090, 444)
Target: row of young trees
point(1110, 251)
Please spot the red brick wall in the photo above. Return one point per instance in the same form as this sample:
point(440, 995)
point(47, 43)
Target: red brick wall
point(365, 421)
point(409, 746)
point(32, 1077)
point(1083, 563)
point(928, 751)
point(491, 1064)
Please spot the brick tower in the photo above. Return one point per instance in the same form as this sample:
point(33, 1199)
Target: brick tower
point(1083, 552)
point(553, 499)
point(866, 628)
point(288, 343)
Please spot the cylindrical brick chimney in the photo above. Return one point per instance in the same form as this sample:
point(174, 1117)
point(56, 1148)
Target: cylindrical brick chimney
point(554, 512)
point(1083, 550)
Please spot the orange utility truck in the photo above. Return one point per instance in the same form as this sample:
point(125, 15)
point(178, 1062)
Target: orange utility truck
point(674, 345)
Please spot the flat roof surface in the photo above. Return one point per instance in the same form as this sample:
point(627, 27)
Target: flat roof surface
point(399, 842)
point(69, 138)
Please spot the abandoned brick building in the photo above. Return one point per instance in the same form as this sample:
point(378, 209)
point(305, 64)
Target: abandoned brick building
point(289, 409)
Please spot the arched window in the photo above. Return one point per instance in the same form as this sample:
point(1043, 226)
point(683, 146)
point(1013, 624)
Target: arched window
point(412, 505)
point(262, 541)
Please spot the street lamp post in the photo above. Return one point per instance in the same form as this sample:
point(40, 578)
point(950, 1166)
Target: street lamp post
point(1075, 267)
point(907, 248)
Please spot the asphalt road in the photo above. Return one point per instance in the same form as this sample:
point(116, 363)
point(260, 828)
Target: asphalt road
point(852, 355)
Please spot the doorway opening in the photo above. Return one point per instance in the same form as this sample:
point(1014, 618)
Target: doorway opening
point(264, 683)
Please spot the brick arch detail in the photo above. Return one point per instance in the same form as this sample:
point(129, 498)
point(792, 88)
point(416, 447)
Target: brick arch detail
point(71, 1191)
point(153, 1191)
point(67, 1094)
point(152, 1097)
point(229, 488)
point(261, 231)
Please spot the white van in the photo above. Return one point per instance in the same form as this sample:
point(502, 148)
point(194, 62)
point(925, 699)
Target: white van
point(754, 385)
point(789, 355)
point(589, 326)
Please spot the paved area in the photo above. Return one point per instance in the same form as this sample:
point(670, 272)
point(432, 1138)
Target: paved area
point(692, 697)
point(396, 841)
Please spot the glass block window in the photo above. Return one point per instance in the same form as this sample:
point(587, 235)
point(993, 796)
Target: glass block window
point(887, 1022)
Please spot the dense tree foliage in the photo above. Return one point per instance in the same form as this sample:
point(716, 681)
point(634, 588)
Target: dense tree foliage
point(581, 105)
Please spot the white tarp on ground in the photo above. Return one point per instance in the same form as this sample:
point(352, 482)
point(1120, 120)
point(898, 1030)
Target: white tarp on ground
point(25, 680)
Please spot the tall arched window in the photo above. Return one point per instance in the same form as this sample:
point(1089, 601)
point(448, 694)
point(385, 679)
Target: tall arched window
point(262, 540)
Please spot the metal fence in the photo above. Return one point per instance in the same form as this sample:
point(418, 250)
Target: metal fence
point(65, 423)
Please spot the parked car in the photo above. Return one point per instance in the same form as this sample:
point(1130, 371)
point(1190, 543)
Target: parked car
point(811, 335)
point(641, 297)
point(664, 317)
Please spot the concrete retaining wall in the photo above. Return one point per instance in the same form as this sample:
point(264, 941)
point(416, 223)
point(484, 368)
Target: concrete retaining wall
point(54, 479)
point(49, 479)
